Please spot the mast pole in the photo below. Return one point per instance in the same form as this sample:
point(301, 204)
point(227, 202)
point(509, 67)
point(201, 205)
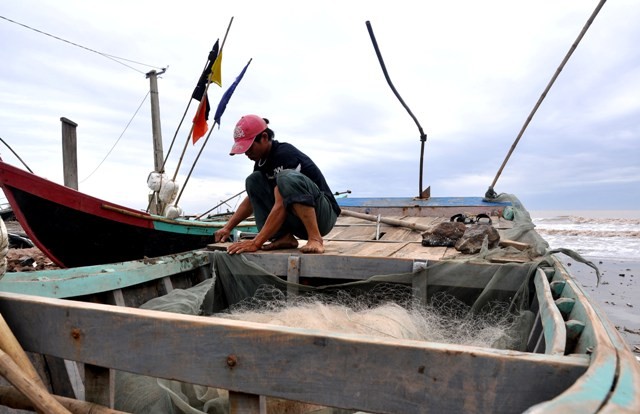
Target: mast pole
point(156, 130)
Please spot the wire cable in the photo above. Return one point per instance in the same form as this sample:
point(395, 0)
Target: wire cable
point(118, 140)
point(108, 56)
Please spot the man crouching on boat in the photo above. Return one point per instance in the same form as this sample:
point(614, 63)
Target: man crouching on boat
point(287, 193)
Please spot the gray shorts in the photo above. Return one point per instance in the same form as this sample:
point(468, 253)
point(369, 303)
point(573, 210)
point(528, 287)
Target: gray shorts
point(295, 188)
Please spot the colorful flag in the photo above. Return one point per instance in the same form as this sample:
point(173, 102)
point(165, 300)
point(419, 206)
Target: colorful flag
point(216, 70)
point(227, 95)
point(200, 126)
point(202, 82)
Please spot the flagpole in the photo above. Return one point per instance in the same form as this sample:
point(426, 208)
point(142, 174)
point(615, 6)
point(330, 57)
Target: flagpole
point(175, 135)
point(186, 144)
point(221, 107)
point(224, 39)
point(194, 163)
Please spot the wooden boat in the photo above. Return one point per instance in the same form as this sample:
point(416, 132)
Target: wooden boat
point(572, 360)
point(75, 229)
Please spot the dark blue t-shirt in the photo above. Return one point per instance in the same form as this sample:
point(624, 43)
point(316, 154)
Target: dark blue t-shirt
point(284, 156)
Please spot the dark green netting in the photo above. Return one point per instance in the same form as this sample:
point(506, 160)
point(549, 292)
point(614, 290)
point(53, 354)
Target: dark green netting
point(473, 283)
point(476, 285)
point(523, 231)
point(236, 281)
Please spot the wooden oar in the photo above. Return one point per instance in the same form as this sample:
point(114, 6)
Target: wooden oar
point(385, 220)
point(420, 227)
point(10, 345)
point(37, 394)
point(12, 398)
point(15, 362)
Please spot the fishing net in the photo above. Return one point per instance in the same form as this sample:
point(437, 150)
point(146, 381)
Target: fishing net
point(4, 247)
point(523, 230)
point(450, 302)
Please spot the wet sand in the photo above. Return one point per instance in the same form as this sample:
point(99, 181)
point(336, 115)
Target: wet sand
point(618, 294)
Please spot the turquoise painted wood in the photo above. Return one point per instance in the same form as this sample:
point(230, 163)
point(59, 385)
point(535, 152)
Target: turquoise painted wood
point(626, 391)
point(66, 283)
point(555, 334)
point(204, 228)
point(592, 389)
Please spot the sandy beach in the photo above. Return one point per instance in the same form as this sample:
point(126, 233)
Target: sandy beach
point(618, 294)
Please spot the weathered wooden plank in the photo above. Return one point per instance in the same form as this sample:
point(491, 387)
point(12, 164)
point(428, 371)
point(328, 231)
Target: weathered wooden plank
point(358, 233)
point(418, 251)
point(166, 282)
point(241, 403)
point(293, 275)
point(329, 266)
point(555, 334)
point(335, 267)
point(396, 233)
point(99, 385)
point(339, 370)
point(340, 247)
point(59, 377)
point(378, 249)
point(65, 283)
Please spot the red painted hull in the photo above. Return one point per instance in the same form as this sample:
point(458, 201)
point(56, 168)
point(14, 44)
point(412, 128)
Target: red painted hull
point(75, 229)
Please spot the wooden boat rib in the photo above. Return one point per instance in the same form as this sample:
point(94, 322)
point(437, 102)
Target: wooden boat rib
point(575, 360)
point(74, 229)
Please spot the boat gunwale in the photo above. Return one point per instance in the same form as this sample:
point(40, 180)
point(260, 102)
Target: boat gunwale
point(265, 346)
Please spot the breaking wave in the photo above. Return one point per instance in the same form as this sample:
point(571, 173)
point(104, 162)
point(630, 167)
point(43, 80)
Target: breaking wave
point(594, 236)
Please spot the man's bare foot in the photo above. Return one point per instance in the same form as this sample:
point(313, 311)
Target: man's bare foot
point(284, 242)
point(313, 246)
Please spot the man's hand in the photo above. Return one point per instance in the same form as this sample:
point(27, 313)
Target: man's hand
point(245, 246)
point(222, 235)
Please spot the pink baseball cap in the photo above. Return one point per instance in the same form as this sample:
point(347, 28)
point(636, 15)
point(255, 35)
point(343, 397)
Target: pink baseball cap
point(247, 128)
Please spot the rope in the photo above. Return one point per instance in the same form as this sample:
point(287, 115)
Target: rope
point(4, 248)
point(490, 192)
point(17, 156)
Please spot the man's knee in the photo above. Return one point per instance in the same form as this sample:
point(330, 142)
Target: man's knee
point(292, 183)
point(288, 177)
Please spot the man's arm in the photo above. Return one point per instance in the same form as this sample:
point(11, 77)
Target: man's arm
point(245, 209)
point(273, 223)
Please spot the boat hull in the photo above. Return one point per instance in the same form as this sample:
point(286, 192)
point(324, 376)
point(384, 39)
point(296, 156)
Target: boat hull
point(74, 229)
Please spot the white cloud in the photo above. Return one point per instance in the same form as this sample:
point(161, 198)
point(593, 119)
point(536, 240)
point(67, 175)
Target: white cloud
point(470, 72)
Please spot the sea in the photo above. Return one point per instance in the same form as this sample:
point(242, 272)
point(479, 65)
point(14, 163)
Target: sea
point(592, 233)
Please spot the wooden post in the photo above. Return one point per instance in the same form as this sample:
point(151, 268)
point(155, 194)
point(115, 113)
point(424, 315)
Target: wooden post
point(242, 403)
point(69, 153)
point(99, 385)
point(155, 206)
point(158, 156)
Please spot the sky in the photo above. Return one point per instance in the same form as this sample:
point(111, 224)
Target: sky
point(471, 73)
